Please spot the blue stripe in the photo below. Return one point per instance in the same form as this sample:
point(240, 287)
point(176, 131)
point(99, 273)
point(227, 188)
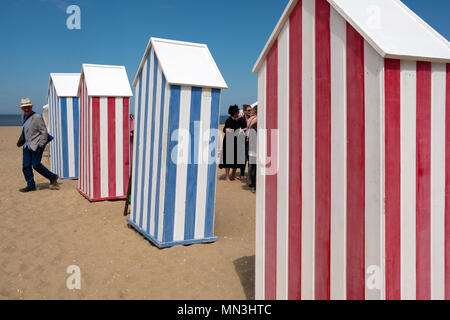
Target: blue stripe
point(137, 142)
point(151, 142)
point(192, 170)
point(76, 132)
point(158, 177)
point(171, 174)
point(144, 162)
point(211, 187)
point(64, 138)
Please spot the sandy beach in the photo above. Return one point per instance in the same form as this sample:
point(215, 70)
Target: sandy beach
point(44, 232)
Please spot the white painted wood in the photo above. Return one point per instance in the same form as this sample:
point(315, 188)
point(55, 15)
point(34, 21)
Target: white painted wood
point(283, 165)
point(438, 147)
point(338, 262)
point(408, 180)
point(106, 81)
point(137, 118)
point(104, 147)
point(261, 187)
point(308, 152)
point(70, 137)
point(182, 163)
point(119, 146)
point(373, 80)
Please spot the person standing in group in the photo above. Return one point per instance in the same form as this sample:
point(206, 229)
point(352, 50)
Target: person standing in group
point(243, 124)
point(34, 138)
point(252, 129)
point(229, 162)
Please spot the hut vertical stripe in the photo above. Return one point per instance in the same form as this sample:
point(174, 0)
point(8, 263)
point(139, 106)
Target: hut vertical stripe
point(151, 158)
point(308, 146)
point(193, 162)
point(182, 151)
point(283, 165)
point(64, 137)
point(155, 150)
point(393, 179)
point(260, 191)
point(119, 159)
point(338, 236)
point(171, 171)
point(70, 135)
point(146, 152)
point(408, 179)
point(374, 173)
point(76, 134)
point(104, 143)
point(203, 161)
point(295, 153)
point(355, 165)
point(437, 246)
point(323, 151)
point(111, 153)
point(96, 132)
point(271, 176)
point(160, 146)
point(423, 181)
point(137, 151)
point(447, 184)
point(126, 144)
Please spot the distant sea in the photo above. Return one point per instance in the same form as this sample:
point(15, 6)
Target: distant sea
point(10, 120)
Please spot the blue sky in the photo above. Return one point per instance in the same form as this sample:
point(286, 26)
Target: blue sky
point(35, 41)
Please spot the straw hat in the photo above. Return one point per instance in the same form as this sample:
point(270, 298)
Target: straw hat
point(25, 103)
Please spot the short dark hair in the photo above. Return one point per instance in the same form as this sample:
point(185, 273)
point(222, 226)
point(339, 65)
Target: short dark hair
point(232, 110)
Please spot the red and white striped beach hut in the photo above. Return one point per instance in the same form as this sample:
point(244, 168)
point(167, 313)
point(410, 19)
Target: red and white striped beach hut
point(355, 200)
point(104, 93)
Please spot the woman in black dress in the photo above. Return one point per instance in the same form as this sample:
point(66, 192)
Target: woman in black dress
point(230, 162)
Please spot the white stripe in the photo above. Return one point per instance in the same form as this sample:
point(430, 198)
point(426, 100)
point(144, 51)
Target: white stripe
point(60, 152)
point(438, 113)
point(90, 156)
point(104, 147)
point(202, 175)
point(146, 162)
point(261, 188)
point(119, 146)
point(163, 163)
point(182, 159)
point(70, 138)
point(135, 152)
point(374, 206)
point(308, 149)
point(283, 161)
point(408, 180)
point(338, 261)
point(155, 142)
point(139, 157)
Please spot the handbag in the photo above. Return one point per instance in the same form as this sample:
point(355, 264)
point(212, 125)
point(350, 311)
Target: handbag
point(21, 140)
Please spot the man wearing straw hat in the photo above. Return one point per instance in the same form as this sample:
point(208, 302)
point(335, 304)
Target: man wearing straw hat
point(34, 138)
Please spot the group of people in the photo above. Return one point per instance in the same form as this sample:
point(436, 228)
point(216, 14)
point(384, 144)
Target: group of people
point(239, 144)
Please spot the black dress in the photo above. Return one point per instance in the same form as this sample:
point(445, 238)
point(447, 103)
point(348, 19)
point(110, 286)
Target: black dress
point(224, 162)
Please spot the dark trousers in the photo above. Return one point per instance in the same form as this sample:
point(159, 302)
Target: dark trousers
point(252, 174)
point(32, 160)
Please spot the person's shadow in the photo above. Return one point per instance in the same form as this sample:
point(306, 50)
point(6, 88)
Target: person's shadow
point(245, 268)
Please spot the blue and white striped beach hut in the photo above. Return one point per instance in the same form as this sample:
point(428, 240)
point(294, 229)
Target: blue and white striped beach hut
point(64, 123)
point(178, 88)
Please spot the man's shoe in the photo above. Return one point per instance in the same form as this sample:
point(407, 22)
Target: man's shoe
point(27, 189)
point(54, 181)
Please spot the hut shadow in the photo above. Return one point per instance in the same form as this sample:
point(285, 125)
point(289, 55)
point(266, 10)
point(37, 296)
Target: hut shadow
point(245, 268)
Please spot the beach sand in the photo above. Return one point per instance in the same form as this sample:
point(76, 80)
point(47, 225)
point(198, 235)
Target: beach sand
point(44, 232)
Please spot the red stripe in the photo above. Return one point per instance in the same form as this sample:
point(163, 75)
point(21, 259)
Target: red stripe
point(423, 182)
point(295, 152)
point(271, 180)
point(112, 146)
point(392, 191)
point(323, 151)
point(355, 165)
point(126, 144)
point(447, 187)
point(96, 147)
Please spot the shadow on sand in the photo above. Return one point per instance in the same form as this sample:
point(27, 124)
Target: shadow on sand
point(245, 268)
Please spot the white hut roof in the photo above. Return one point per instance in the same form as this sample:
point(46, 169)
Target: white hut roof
point(106, 81)
point(66, 84)
point(389, 26)
point(185, 64)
